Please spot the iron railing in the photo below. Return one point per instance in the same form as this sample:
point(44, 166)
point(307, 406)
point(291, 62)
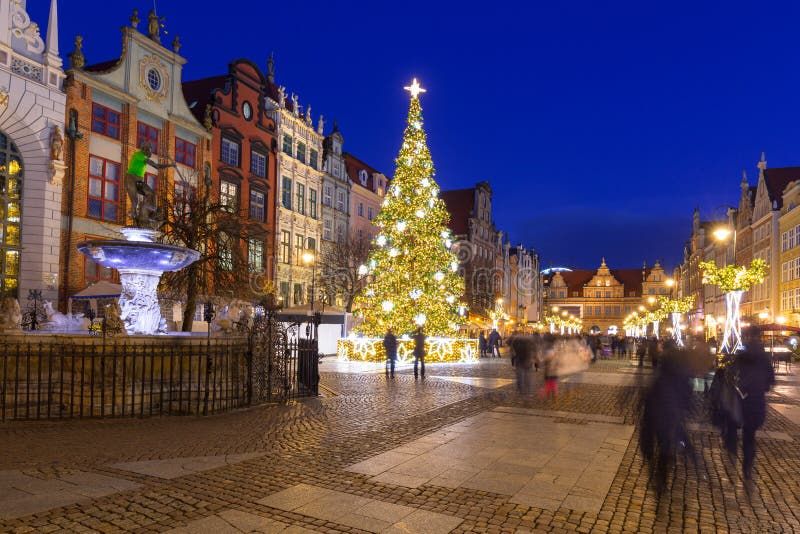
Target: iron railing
point(58, 377)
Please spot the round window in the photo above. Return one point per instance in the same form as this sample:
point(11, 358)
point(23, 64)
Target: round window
point(154, 79)
point(247, 111)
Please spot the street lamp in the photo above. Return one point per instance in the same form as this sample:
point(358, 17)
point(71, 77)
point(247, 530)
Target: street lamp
point(670, 282)
point(651, 300)
point(308, 260)
point(721, 234)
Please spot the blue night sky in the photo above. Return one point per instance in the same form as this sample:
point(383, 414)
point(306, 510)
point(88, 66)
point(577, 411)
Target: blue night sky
point(599, 126)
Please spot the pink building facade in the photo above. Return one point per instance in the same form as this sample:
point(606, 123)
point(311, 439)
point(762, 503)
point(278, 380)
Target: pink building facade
point(366, 198)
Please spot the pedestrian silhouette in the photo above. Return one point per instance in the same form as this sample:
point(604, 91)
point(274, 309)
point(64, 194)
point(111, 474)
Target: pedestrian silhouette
point(390, 346)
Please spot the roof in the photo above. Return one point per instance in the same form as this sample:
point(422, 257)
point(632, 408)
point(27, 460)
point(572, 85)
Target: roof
point(103, 66)
point(576, 279)
point(201, 91)
point(101, 289)
point(460, 204)
point(777, 179)
point(353, 166)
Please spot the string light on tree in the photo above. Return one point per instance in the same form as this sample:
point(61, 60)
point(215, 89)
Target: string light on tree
point(420, 282)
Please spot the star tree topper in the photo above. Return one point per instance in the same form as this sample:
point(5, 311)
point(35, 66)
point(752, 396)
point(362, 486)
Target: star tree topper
point(415, 89)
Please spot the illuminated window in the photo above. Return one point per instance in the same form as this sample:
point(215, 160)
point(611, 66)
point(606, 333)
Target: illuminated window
point(300, 190)
point(255, 255)
point(229, 152)
point(257, 205)
point(147, 134)
point(286, 248)
point(103, 197)
point(11, 173)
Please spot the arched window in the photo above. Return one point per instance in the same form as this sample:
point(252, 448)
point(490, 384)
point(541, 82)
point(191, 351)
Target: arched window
point(11, 175)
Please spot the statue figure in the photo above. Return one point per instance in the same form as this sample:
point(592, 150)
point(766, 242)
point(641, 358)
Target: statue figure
point(56, 144)
point(10, 315)
point(176, 44)
point(143, 211)
point(321, 125)
point(226, 318)
point(282, 97)
point(308, 115)
point(296, 105)
point(208, 118)
point(113, 315)
point(76, 58)
point(271, 68)
point(135, 19)
point(61, 322)
point(153, 29)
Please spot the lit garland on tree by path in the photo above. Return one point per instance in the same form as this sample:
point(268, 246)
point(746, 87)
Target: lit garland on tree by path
point(675, 308)
point(414, 279)
point(733, 280)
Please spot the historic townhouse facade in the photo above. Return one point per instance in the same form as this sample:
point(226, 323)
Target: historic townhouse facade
point(474, 236)
point(243, 155)
point(299, 182)
point(116, 107)
point(789, 287)
point(604, 297)
point(32, 161)
point(366, 196)
point(335, 190)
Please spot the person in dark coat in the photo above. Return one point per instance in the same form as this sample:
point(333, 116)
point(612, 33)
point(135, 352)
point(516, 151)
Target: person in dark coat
point(390, 346)
point(664, 411)
point(494, 343)
point(754, 376)
point(654, 351)
point(641, 348)
point(522, 362)
point(419, 352)
point(482, 345)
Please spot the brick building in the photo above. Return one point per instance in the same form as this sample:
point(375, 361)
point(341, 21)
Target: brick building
point(243, 153)
point(116, 106)
point(367, 193)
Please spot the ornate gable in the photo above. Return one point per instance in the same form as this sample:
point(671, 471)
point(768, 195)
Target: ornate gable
point(603, 281)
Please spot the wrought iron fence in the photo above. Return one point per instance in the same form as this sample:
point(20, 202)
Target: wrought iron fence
point(59, 377)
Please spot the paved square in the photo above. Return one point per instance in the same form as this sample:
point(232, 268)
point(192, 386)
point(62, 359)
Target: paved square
point(537, 460)
point(477, 381)
point(359, 512)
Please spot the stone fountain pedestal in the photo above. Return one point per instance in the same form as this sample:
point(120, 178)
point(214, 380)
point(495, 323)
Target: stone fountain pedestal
point(140, 262)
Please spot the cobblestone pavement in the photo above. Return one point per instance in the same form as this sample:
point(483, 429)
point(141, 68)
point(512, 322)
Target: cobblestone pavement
point(233, 472)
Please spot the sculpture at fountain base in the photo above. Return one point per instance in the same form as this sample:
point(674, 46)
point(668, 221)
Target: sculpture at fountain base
point(138, 302)
point(10, 315)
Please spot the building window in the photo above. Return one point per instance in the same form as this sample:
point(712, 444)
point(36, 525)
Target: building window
point(301, 199)
point(103, 189)
point(370, 213)
point(286, 193)
point(225, 253)
point(597, 311)
point(299, 246)
point(229, 152)
point(312, 244)
point(298, 294)
point(255, 255)
point(93, 272)
point(287, 144)
point(313, 158)
point(301, 152)
point(258, 163)
point(286, 245)
point(151, 180)
point(340, 232)
point(147, 134)
point(229, 195)
point(105, 120)
point(285, 292)
point(258, 202)
point(312, 203)
point(327, 195)
point(327, 230)
point(185, 152)
point(340, 200)
point(360, 209)
point(608, 294)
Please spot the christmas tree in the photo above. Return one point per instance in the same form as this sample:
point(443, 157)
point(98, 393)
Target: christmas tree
point(413, 275)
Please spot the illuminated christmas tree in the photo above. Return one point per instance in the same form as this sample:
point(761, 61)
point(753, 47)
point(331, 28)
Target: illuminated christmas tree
point(414, 279)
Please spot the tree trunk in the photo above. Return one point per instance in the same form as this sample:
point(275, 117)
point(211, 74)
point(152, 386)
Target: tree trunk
point(191, 299)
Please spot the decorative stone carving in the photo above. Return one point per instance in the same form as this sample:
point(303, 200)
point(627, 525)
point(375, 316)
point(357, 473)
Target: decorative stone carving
point(321, 125)
point(308, 115)
point(10, 315)
point(76, 59)
point(158, 92)
point(113, 315)
point(4, 97)
point(23, 28)
point(138, 302)
point(56, 144)
point(153, 26)
point(296, 104)
point(176, 44)
point(61, 322)
point(281, 97)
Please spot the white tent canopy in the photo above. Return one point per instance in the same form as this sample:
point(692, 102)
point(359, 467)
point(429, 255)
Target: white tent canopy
point(98, 290)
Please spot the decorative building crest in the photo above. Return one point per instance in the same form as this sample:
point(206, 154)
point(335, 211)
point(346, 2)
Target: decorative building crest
point(153, 78)
point(23, 28)
point(3, 97)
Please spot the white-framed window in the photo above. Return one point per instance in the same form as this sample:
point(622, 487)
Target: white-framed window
point(258, 163)
point(327, 230)
point(362, 177)
point(340, 200)
point(340, 232)
point(370, 213)
point(360, 209)
point(327, 195)
point(229, 152)
point(228, 194)
point(255, 255)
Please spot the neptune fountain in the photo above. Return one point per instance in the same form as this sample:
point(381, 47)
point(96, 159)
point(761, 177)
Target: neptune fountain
point(140, 262)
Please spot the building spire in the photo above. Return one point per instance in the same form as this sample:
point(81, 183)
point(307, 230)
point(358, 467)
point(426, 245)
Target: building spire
point(271, 67)
point(762, 164)
point(76, 59)
point(51, 50)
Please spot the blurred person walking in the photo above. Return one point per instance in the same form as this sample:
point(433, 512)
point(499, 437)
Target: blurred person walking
point(494, 343)
point(419, 353)
point(482, 345)
point(390, 347)
point(522, 361)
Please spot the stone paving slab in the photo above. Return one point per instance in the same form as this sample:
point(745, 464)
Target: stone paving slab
point(597, 418)
point(610, 379)
point(489, 383)
point(22, 494)
point(790, 412)
point(237, 522)
point(768, 434)
point(571, 465)
point(177, 467)
point(358, 512)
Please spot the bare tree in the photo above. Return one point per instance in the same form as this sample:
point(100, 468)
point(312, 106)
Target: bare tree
point(341, 265)
point(195, 218)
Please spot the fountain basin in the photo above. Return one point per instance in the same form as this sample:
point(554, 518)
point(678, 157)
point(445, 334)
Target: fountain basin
point(140, 262)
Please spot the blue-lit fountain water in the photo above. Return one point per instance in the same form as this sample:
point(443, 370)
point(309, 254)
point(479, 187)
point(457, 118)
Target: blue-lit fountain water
point(140, 262)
